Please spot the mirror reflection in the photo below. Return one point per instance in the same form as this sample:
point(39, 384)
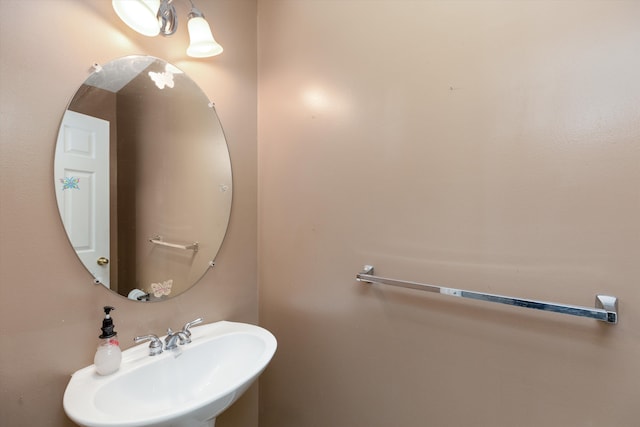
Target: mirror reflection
point(143, 178)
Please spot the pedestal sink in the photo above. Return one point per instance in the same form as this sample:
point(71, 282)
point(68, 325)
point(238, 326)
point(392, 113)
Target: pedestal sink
point(186, 387)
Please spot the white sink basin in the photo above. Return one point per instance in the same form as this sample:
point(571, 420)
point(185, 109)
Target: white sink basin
point(189, 386)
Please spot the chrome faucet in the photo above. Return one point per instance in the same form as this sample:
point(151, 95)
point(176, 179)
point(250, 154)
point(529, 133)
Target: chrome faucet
point(155, 346)
point(172, 337)
point(182, 337)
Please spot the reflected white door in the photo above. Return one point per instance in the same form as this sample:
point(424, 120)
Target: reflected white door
point(81, 171)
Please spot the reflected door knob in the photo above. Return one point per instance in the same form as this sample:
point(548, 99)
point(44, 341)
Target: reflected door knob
point(102, 261)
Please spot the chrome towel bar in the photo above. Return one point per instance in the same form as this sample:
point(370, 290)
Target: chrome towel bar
point(606, 309)
point(157, 240)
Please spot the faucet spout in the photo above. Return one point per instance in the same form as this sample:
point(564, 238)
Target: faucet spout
point(172, 338)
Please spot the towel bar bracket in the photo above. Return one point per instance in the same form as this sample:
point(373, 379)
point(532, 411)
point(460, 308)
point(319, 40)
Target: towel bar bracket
point(610, 305)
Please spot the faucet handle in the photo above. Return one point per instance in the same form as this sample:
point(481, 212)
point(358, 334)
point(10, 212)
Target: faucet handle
point(188, 325)
point(155, 346)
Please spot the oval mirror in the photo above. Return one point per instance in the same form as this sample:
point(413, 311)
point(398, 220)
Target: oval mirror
point(143, 178)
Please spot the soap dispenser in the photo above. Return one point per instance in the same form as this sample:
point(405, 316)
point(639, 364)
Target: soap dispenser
point(108, 356)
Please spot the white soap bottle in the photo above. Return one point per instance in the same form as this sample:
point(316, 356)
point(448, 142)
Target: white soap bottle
point(108, 356)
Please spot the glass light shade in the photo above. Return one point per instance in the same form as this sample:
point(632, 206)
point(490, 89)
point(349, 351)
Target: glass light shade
point(202, 44)
point(140, 15)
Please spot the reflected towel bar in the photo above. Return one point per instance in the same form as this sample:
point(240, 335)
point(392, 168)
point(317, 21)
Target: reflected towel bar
point(606, 306)
point(157, 240)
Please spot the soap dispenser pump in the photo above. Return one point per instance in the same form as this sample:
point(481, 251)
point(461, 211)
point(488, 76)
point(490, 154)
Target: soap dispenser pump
point(108, 356)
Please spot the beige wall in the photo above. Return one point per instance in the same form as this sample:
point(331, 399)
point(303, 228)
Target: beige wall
point(487, 145)
point(483, 145)
point(50, 312)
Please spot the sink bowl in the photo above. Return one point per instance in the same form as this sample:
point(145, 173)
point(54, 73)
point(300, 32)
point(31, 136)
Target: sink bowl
point(187, 387)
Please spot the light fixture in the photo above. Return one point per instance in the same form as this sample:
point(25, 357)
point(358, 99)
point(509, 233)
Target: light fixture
point(201, 41)
point(153, 17)
point(140, 15)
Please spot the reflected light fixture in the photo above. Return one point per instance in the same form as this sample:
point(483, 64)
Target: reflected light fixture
point(153, 17)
